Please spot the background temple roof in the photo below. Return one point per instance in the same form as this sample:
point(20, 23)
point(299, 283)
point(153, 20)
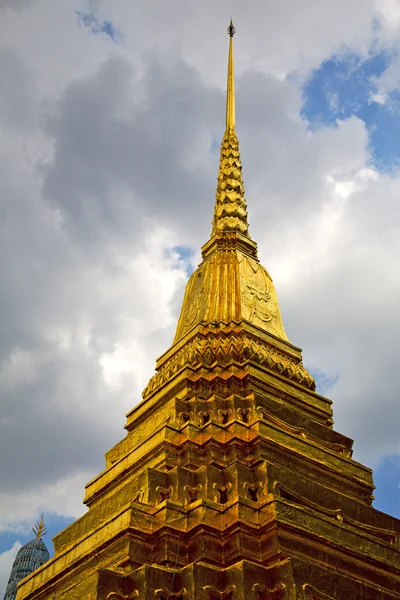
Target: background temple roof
point(29, 558)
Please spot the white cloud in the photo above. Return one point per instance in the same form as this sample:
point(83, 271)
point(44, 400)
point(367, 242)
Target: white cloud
point(63, 496)
point(389, 14)
point(6, 562)
point(388, 82)
point(333, 102)
point(379, 97)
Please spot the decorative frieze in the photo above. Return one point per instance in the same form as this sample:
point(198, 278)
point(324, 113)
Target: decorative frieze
point(206, 351)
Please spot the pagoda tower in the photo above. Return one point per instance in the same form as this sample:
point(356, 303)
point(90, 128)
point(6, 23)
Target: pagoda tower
point(231, 483)
point(29, 558)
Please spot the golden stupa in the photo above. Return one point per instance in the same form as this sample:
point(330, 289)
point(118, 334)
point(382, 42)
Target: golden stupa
point(231, 483)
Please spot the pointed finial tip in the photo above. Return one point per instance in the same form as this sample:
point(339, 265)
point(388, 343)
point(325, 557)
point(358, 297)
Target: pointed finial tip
point(231, 29)
point(40, 529)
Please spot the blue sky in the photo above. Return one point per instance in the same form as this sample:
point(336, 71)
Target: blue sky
point(345, 86)
point(54, 524)
point(97, 26)
point(183, 258)
point(387, 482)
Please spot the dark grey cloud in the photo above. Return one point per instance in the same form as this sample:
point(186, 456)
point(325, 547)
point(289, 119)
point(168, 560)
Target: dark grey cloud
point(130, 148)
point(48, 426)
point(65, 306)
point(18, 107)
point(14, 4)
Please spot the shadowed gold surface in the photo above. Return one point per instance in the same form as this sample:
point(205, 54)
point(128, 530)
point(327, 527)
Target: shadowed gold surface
point(231, 483)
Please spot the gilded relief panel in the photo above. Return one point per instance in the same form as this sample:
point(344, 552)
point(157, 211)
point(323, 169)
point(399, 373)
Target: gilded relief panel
point(259, 300)
point(196, 300)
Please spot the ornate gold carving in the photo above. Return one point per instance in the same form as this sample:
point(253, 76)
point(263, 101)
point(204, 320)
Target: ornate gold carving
point(257, 304)
point(301, 432)
point(221, 493)
point(287, 494)
point(115, 596)
point(192, 313)
point(266, 416)
point(225, 415)
point(165, 493)
point(244, 414)
point(163, 594)
point(385, 534)
point(230, 213)
point(229, 242)
point(185, 416)
point(197, 298)
point(253, 491)
point(205, 351)
point(314, 594)
point(214, 594)
point(205, 417)
point(262, 592)
point(256, 294)
point(192, 492)
point(139, 496)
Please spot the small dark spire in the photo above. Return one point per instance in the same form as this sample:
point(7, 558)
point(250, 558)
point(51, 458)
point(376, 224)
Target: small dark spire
point(29, 558)
point(231, 29)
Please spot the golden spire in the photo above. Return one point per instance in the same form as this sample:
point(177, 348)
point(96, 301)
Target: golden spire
point(230, 88)
point(40, 529)
point(230, 286)
point(230, 212)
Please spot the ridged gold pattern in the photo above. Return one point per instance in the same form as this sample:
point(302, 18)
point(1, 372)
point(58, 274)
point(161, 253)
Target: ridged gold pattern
point(208, 349)
point(230, 285)
point(230, 212)
point(231, 483)
point(230, 208)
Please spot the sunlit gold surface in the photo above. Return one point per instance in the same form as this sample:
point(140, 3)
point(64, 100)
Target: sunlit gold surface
point(230, 86)
point(230, 208)
point(231, 483)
